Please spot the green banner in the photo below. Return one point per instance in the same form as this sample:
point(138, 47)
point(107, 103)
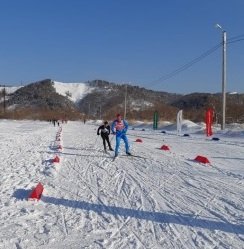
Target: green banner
point(155, 120)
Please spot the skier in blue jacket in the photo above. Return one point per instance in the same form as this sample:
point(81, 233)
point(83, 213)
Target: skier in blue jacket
point(120, 127)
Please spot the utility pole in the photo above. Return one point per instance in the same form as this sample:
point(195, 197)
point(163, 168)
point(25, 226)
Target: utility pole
point(4, 99)
point(89, 110)
point(224, 38)
point(125, 101)
point(224, 80)
point(100, 112)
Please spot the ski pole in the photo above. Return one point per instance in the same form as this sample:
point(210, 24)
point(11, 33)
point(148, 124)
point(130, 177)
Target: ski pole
point(96, 140)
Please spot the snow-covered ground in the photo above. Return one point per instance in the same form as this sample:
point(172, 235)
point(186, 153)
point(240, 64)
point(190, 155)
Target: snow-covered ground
point(159, 199)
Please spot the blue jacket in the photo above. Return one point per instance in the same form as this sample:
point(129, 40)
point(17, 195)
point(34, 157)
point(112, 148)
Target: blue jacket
point(119, 127)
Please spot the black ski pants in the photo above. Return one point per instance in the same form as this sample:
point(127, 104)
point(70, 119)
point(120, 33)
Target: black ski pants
point(106, 138)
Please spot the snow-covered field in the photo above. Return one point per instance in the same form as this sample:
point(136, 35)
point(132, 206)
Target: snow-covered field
point(159, 199)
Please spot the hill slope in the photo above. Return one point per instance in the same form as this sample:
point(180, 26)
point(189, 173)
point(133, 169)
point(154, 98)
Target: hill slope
point(100, 99)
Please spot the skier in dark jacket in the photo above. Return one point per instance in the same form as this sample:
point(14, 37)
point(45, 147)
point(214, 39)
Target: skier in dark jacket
point(105, 131)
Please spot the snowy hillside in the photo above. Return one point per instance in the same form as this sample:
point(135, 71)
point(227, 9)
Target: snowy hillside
point(156, 199)
point(10, 89)
point(103, 97)
point(76, 91)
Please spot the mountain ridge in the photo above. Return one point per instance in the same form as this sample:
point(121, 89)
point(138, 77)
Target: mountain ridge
point(102, 99)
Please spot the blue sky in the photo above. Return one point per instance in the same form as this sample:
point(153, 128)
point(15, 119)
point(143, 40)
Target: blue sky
point(122, 41)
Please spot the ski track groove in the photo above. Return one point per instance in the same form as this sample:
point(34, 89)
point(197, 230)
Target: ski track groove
point(120, 183)
point(105, 162)
point(178, 235)
point(88, 184)
point(120, 186)
point(154, 233)
point(64, 223)
point(119, 229)
point(137, 182)
point(138, 239)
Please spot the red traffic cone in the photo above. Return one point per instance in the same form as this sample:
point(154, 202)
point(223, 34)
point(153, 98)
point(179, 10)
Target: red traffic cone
point(36, 192)
point(56, 159)
point(201, 159)
point(138, 140)
point(164, 147)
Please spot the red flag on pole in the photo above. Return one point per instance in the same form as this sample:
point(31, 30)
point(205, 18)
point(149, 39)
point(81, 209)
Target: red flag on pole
point(209, 122)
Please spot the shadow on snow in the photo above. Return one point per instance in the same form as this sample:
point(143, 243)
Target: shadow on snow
point(177, 218)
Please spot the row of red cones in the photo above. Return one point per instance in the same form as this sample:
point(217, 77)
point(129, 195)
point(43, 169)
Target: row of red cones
point(36, 193)
point(200, 159)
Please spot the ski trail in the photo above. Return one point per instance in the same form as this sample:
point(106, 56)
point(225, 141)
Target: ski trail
point(161, 182)
point(138, 239)
point(120, 183)
point(177, 175)
point(64, 223)
point(173, 227)
point(106, 244)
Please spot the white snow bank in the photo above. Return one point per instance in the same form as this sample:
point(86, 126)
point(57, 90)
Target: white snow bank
point(187, 126)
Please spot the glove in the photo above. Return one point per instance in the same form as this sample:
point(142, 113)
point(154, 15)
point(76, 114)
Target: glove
point(98, 134)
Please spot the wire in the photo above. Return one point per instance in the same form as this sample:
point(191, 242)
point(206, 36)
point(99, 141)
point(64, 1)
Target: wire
point(235, 41)
point(187, 65)
point(235, 37)
point(194, 61)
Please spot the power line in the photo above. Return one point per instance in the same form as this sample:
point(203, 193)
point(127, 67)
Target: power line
point(235, 41)
point(187, 65)
point(194, 61)
point(235, 37)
